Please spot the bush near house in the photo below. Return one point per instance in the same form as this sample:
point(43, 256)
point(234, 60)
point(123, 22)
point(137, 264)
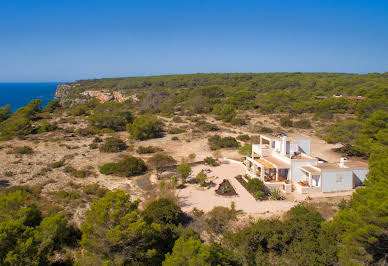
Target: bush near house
point(201, 178)
point(245, 150)
point(217, 142)
point(256, 187)
point(210, 161)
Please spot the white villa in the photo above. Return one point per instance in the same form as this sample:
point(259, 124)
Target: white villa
point(286, 163)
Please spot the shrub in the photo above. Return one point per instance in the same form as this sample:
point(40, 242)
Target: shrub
point(244, 138)
point(51, 106)
point(286, 122)
point(265, 130)
point(175, 138)
point(160, 160)
point(175, 130)
point(184, 171)
point(246, 150)
point(87, 131)
point(218, 142)
point(210, 161)
point(113, 144)
point(94, 189)
point(227, 113)
point(201, 178)
point(146, 127)
point(162, 211)
point(111, 115)
point(77, 173)
point(79, 110)
point(219, 218)
point(238, 121)
point(45, 126)
point(57, 164)
point(23, 150)
point(147, 149)
point(275, 194)
point(127, 167)
point(256, 187)
point(206, 126)
point(303, 123)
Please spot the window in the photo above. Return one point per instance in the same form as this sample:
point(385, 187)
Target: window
point(339, 178)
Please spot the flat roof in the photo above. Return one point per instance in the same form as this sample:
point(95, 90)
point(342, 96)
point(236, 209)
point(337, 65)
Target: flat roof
point(357, 164)
point(277, 162)
point(311, 169)
point(348, 165)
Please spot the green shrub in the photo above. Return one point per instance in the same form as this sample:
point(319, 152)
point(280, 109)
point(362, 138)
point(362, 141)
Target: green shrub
point(94, 189)
point(5, 113)
point(127, 167)
point(184, 171)
point(160, 160)
point(219, 218)
point(87, 131)
point(265, 130)
point(51, 106)
point(246, 150)
point(238, 121)
point(244, 138)
point(79, 110)
point(45, 126)
point(113, 144)
point(206, 126)
point(175, 130)
point(286, 122)
point(146, 127)
point(201, 178)
point(23, 150)
point(217, 142)
point(256, 187)
point(210, 161)
point(275, 194)
point(162, 211)
point(303, 123)
point(227, 113)
point(57, 164)
point(147, 149)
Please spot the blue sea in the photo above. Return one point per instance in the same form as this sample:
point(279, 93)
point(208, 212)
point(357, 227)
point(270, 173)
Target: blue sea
point(20, 94)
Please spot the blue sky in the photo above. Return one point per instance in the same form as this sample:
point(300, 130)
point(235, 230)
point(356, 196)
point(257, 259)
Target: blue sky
point(68, 40)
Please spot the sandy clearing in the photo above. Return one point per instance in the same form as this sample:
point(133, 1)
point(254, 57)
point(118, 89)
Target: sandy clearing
point(206, 199)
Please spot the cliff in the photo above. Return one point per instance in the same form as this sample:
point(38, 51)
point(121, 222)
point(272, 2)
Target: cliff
point(73, 93)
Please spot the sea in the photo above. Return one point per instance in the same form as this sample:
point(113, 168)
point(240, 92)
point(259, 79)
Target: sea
point(20, 94)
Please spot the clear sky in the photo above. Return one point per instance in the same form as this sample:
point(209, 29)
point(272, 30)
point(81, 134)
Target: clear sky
point(65, 40)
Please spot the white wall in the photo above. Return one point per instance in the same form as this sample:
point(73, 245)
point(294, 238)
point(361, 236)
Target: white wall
point(359, 176)
point(304, 145)
point(337, 180)
point(297, 174)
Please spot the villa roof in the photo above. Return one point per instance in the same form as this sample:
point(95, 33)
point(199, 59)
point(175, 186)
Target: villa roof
point(265, 163)
point(270, 162)
point(356, 165)
point(311, 169)
point(278, 163)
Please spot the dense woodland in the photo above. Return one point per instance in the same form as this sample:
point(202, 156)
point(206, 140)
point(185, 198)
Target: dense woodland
point(117, 232)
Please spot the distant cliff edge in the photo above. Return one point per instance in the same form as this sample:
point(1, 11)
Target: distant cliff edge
point(73, 93)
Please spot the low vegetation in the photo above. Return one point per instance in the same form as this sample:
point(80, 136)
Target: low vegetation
point(127, 167)
point(217, 142)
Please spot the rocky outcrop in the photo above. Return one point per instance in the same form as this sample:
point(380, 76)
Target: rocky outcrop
point(104, 96)
point(64, 89)
point(67, 93)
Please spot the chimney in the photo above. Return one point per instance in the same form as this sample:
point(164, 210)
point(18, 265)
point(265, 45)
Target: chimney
point(284, 145)
point(342, 162)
